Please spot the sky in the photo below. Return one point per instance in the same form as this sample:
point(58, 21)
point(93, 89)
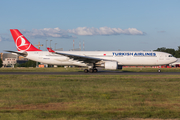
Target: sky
point(105, 25)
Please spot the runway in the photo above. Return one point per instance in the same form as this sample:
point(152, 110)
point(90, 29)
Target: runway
point(98, 73)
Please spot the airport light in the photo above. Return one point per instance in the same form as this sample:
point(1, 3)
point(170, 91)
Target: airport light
point(55, 46)
point(46, 45)
point(50, 44)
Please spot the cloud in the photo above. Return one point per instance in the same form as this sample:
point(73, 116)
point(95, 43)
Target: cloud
point(4, 39)
point(47, 32)
point(161, 31)
point(104, 31)
point(60, 33)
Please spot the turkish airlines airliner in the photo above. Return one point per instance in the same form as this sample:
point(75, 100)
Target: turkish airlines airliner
point(91, 59)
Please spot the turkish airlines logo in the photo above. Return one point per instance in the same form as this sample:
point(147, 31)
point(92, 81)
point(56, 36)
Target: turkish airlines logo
point(22, 44)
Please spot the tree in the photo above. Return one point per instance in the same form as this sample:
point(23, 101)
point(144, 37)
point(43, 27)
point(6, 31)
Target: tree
point(171, 51)
point(162, 49)
point(1, 63)
point(175, 53)
point(29, 63)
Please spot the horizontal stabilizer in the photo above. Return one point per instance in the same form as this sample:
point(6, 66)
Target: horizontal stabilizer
point(19, 53)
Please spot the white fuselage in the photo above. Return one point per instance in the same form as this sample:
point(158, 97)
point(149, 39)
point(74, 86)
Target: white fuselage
point(129, 58)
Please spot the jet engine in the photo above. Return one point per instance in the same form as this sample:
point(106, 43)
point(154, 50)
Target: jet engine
point(112, 65)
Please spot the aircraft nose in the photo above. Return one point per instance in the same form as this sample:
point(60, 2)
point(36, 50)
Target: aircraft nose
point(174, 59)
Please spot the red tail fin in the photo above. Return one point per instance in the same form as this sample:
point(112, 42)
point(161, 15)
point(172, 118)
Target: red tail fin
point(21, 42)
point(50, 50)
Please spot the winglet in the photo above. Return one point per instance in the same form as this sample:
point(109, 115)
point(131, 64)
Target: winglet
point(50, 50)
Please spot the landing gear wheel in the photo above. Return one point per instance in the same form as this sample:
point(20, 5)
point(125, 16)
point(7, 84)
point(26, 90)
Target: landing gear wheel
point(91, 70)
point(86, 70)
point(159, 71)
point(95, 70)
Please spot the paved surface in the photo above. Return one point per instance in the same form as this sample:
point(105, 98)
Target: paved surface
point(98, 73)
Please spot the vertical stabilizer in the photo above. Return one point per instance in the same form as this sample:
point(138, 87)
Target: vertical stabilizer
point(50, 50)
point(21, 42)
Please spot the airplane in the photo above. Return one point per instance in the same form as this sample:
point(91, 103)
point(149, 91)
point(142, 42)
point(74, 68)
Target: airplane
point(112, 60)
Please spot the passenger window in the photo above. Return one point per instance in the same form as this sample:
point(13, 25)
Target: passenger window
point(170, 56)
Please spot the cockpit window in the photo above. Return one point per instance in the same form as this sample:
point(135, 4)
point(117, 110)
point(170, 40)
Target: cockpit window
point(170, 56)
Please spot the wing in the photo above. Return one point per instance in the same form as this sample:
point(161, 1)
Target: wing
point(85, 59)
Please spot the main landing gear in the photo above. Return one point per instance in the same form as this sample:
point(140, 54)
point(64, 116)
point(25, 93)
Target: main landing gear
point(159, 70)
point(90, 70)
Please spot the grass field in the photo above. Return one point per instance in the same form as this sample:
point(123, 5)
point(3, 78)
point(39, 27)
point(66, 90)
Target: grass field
point(61, 69)
point(31, 69)
point(81, 97)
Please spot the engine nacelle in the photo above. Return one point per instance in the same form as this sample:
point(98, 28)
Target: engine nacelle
point(112, 65)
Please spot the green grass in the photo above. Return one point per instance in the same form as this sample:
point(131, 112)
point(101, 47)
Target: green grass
point(80, 97)
point(31, 69)
point(150, 69)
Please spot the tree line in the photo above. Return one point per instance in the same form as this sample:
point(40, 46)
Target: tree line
point(1, 63)
point(29, 63)
point(175, 53)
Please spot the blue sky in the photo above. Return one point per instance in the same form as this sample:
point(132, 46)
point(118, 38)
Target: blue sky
point(102, 24)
